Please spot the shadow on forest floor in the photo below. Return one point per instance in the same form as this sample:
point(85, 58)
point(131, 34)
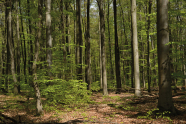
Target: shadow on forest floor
point(114, 108)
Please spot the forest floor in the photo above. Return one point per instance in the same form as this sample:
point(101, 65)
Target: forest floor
point(114, 108)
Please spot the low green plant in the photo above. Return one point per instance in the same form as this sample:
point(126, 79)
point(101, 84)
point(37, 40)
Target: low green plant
point(72, 92)
point(158, 115)
point(95, 86)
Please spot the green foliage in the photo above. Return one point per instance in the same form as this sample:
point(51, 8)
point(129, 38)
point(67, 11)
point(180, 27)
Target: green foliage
point(151, 113)
point(70, 92)
point(95, 86)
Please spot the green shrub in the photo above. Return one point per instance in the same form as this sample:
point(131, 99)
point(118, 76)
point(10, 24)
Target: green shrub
point(95, 86)
point(67, 92)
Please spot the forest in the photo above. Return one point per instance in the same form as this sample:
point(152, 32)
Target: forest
point(92, 61)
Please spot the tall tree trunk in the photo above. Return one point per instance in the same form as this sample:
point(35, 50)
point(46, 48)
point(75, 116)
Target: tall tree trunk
point(10, 44)
point(109, 41)
point(148, 47)
point(100, 59)
point(117, 55)
point(88, 74)
point(154, 70)
point(184, 68)
point(135, 50)
point(23, 37)
point(30, 42)
point(165, 102)
point(126, 41)
point(132, 57)
point(103, 53)
point(3, 60)
point(49, 37)
point(79, 41)
point(67, 42)
point(18, 48)
point(62, 28)
point(39, 107)
point(7, 49)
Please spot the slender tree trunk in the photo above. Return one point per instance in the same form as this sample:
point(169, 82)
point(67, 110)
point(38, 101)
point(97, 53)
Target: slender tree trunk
point(78, 40)
point(67, 42)
point(103, 53)
point(3, 60)
point(30, 42)
point(117, 55)
point(132, 52)
point(126, 41)
point(7, 49)
point(154, 70)
point(49, 37)
point(165, 102)
point(18, 48)
point(10, 44)
point(100, 59)
point(23, 37)
point(184, 68)
point(148, 47)
point(135, 50)
point(39, 107)
point(88, 74)
point(109, 41)
point(63, 37)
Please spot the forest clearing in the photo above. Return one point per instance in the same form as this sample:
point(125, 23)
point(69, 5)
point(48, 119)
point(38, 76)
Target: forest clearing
point(114, 108)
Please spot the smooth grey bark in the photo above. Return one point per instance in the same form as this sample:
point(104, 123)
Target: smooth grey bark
point(39, 108)
point(49, 37)
point(10, 44)
point(88, 74)
point(135, 49)
point(165, 102)
point(103, 53)
point(100, 59)
point(117, 54)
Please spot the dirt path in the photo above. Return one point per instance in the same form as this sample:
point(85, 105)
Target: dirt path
point(115, 108)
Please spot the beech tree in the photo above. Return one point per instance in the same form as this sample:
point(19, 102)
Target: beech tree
point(103, 53)
point(135, 49)
point(88, 75)
point(39, 108)
point(49, 37)
point(165, 102)
point(117, 56)
point(10, 43)
point(78, 40)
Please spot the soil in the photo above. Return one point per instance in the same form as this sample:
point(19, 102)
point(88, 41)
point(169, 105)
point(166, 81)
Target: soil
point(113, 109)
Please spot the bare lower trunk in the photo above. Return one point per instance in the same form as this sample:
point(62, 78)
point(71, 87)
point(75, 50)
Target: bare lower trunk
point(49, 37)
point(117, 54)
point(165, 102)
point(10, 45)
point(78, 40)
point(34, 67)
point(135, 50)
point(103, 53)
point(88, 75)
